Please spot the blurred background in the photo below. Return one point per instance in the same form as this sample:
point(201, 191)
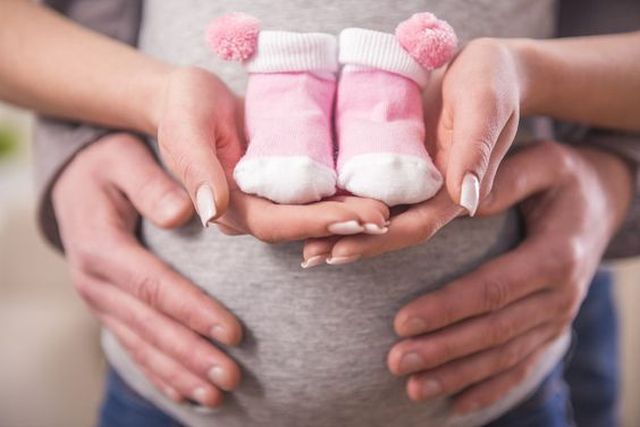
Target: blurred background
point(50, 361)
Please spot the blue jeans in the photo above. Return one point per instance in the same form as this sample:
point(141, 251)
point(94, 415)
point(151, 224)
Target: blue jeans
point(580, 391)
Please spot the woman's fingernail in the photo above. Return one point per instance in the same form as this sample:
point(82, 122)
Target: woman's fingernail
point(431, 388)
point(370, 228)
point(410, 362)
point(342, 260)
point(470, 193)
point(206, 204)
point(346, 228)
point(217, 375)
point(314, 261)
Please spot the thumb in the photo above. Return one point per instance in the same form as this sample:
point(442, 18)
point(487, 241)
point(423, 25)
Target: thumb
point(148, 187)
point(529, 171)
point(191, 131)
point(480, 138)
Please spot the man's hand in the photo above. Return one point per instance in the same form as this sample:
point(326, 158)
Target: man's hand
point(479, 336)
point(160, 318)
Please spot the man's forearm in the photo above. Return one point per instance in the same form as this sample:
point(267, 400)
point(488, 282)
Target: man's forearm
point(57, 67)
point(593, 80)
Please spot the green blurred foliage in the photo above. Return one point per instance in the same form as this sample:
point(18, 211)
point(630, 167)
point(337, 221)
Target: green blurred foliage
point(8, 141)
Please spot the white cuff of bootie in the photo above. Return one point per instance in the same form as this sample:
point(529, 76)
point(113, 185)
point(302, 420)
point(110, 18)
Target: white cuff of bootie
point(379, 50)
point(283, 51)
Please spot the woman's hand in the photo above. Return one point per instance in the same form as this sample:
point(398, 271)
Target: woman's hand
point(479, 336)
point(471, 116)
point(200, 139)
point(482, 94)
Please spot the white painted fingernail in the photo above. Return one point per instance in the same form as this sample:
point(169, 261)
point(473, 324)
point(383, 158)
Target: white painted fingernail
point(342, 260)
point(346, 228)
point(314, 261)
point(206, 204)
point(470, 193)
point(370, 228)
point(216, 374)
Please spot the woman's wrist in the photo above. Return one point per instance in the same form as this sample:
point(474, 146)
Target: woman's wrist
point(150, 88)
point(534, 74)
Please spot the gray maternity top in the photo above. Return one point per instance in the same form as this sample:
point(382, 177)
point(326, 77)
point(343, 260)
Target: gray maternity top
point(316, 341)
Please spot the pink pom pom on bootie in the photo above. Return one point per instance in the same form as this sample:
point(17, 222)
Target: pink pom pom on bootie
point(429, 40)
point(234, 37)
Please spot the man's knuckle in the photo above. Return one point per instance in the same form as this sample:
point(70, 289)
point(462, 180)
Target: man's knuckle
point(147, 289)
point(494, 293)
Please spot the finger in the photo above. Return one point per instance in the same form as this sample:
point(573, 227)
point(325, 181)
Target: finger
point(149, 188)
point(166, 373)
point(169, 337)
point(479, 121)
point(317, 251)
point(189, 141)
point(525, 173)
point(410, 228)
point(489, 288)
point(270, 222)
point(472, 336)
point(158, 286)
point(460, 374)
point(490, 391)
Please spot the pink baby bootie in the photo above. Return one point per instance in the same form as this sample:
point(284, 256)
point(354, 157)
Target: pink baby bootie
point(379, 113)
point(288, 108)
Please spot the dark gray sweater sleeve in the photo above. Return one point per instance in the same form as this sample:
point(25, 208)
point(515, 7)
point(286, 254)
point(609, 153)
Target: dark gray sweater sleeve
point(56, 142)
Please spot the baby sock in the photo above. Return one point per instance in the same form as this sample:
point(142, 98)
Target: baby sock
point(379, 113)
point(288, 108)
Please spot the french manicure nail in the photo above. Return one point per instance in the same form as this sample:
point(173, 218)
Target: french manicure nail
point(314, 261)
point(346, 228)
point(342, 260)
point(431, 388)
point(370, 228)
point(470, 193)
point(206, 204)
point(216, 374)
point(410, 362)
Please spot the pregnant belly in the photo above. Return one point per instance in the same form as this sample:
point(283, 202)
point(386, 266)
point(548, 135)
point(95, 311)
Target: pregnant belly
point(316, 341)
